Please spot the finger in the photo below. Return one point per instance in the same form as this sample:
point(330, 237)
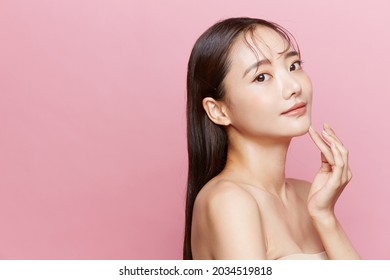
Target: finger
point(327, 154)
point(325, 165)
point(343, 151)
point(329, 135)
point(331, 132)
point(335, 180)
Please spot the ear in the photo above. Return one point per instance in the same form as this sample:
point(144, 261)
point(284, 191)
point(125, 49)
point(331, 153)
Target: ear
point(216, 111)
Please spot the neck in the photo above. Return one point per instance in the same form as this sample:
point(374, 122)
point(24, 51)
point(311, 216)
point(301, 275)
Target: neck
point(259, 163)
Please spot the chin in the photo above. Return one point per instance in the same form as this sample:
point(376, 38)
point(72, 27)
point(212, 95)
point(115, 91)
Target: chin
point(301, 127)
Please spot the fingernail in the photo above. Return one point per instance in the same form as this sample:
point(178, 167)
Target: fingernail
point(325, 133)
point(327, 126)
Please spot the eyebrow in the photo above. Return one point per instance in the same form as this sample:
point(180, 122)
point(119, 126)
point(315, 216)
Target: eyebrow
point(256, 65)
point(266, 61)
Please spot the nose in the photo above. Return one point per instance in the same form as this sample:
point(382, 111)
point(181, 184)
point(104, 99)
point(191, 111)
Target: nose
point(290, 86)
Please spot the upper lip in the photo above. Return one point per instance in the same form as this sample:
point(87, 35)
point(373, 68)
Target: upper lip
point(295, 106)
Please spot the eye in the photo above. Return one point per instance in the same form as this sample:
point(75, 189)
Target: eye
point(296, 65)
point(262, 77)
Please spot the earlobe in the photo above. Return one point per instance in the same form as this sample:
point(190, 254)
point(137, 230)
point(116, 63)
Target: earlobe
point(216, 111)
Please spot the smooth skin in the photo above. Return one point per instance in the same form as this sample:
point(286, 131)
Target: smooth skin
point(251, 210)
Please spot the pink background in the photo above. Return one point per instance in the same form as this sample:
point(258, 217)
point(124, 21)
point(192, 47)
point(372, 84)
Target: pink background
point(92, 119)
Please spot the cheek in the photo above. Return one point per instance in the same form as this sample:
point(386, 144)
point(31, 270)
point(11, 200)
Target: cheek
point(252, 101)
point(254, 110)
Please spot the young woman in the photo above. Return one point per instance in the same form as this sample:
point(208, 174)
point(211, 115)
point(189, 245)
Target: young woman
point(247, 97)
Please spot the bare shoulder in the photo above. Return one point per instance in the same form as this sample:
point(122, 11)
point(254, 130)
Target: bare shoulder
point(229, 219)
point(224, 193)
point(302, 187)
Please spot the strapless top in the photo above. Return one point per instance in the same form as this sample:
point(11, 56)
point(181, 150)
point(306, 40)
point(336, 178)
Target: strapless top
point(302, 256)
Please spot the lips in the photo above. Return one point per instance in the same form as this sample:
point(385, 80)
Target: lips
point(295, 107)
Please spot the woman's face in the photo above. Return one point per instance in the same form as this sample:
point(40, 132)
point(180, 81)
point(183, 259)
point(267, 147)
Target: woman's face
point(260, 90)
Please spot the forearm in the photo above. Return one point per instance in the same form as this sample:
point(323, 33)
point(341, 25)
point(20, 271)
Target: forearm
point(334, 239)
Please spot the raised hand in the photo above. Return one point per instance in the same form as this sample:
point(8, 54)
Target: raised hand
point(333, 176)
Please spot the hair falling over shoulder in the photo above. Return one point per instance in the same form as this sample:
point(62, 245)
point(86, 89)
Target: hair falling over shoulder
point(207, 142)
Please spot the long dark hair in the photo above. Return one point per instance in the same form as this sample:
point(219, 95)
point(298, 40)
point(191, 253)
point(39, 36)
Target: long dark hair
point(207, 142)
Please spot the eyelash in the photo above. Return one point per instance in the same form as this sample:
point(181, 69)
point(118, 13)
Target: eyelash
point(258, 76)
point(300, 62)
